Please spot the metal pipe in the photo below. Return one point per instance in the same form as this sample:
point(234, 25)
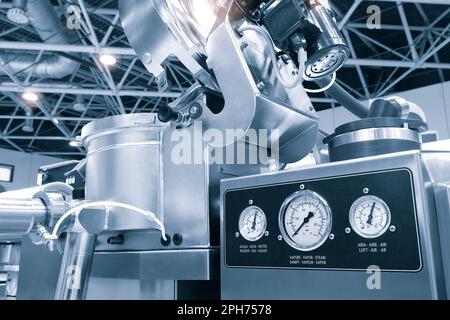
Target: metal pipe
point(76, 266)
point(45, 20)
point(28, 123)
point(343, 97)
point(18, 216)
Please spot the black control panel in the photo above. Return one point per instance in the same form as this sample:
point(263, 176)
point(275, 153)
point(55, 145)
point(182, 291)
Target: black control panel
point(397, 249)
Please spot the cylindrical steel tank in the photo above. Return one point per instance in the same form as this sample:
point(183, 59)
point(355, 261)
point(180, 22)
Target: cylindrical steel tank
point(123, 162)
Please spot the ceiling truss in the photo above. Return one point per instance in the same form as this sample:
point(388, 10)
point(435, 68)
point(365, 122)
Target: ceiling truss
point(129, 88)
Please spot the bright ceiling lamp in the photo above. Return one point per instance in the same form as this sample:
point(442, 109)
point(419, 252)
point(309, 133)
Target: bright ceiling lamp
point(30, 96)
point(108, 60)
point(74, 143)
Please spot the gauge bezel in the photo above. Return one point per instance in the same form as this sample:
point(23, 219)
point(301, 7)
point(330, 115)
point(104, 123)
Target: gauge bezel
point(282, 216)
point(352, 215)
point(241, 223)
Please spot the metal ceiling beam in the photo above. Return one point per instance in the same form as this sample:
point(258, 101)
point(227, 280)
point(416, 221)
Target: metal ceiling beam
point(396, 63)
point(349, 13)
point(39, 46)
point(47, 88)
point(61, 154)
point(39, 138)
point(392, 27)
point(409, 37)
point(85, 119)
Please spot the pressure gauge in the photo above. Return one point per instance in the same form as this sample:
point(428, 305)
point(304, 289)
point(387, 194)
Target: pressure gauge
point(305, 220)
point(252, 223)
point(370, 217)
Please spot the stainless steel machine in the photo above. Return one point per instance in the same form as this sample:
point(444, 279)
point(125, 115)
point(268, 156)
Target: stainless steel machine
point(198, 202)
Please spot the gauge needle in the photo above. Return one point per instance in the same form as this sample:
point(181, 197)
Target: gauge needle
point(369, 221)
point(310, 215)
point(254, 222)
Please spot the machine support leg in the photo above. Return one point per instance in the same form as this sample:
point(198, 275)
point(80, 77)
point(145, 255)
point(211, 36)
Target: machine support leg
point(76, 266)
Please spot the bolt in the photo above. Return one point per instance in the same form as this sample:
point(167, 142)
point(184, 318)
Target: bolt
point(302, 187)
point(195, 111)
point(366, 190)
point(250, 202)
point(266, 233)
point(280, 237)
point(348, 230)
point(331, 237)
point(237, 234)
point(392, 228)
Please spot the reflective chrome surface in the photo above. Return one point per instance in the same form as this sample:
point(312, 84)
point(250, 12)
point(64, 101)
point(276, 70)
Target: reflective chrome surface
point(123, 162)
point(330, 51)
point(428, 168)
point(18, 216)
point(76, 266)
point(375, 134)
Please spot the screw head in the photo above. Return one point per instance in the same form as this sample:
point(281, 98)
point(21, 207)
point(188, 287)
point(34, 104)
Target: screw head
point(366, 190)
point(261, 85)
point(302, 187)
point(348, 230)
point(237, 234)
point(250, 202)
point(195, 111)
point(392, 228)
point(266, 233)
point(331, 236)
point(280, 237)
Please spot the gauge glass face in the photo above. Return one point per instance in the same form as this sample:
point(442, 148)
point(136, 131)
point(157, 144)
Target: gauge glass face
point(252, 223)
point(305, 221)
point(370, 217)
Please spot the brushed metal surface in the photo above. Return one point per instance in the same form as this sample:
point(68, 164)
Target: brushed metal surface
point(310, 284)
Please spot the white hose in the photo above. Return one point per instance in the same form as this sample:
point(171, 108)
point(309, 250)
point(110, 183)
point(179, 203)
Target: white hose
point(328, 86)
point(273, 56)
point(148, 214)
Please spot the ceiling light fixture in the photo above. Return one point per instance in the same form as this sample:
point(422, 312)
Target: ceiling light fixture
point(30, 96)
point(108, 60)
point(74, 144)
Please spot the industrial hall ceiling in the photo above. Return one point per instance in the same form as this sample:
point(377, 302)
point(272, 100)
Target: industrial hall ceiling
point(410, 48)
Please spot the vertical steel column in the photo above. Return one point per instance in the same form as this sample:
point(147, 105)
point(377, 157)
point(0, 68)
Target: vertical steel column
point(76, 266)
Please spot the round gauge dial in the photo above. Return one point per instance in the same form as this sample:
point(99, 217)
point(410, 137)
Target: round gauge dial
point(370, 217)
point(305, 221)
point(252, 223)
